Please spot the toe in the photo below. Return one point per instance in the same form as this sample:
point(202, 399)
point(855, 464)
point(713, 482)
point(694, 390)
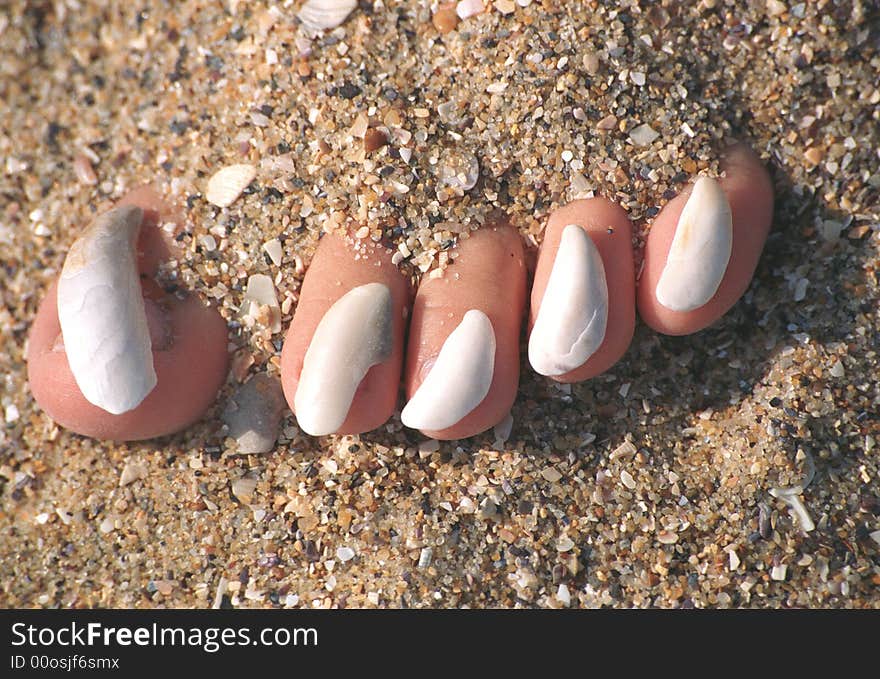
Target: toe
point(462, 365)
point(583, 297)
point(704, 245)
point(342, 357)
point(188, 346)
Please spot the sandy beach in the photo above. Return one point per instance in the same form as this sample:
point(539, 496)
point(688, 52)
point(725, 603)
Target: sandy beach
point(736, 467)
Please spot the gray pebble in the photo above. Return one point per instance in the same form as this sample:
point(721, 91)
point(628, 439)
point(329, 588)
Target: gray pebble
point(253, 414)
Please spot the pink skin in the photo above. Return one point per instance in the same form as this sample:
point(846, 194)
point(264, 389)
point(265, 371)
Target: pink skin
point(750, 194)
point(189, 351)
point(489, 274)
point(333, 272)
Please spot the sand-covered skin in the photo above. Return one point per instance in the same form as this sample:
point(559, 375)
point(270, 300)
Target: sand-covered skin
point(646, 486)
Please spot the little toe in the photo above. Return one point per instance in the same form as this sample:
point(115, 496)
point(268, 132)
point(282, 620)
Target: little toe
point(582, 312)
point(342, 356)
point(704, 245)
point(462, 364)
point(134, 362)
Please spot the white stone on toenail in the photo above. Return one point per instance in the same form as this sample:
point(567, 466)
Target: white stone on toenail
point(573, 315)
point(700, 249)
point(354, 335)
point(102, 316)
point(459, 379)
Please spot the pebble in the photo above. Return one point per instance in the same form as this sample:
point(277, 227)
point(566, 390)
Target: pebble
point(627, 479)
point(226, 185)
point(11, 413)
point(131, 472)
point(345, 554)
point(260, 292)
point(243, 489)
point(445, 19)
point(563, 595)
point(273, 249)
point(82, 168)
point(425, 557)
point(643, 135)
point(779, 572)
point(253, 414)
point(551, 474)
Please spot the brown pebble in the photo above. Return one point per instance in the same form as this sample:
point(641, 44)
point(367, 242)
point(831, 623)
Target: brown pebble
point(83, 170)
point(374, 139)
point(445, 19)
point(814, 155)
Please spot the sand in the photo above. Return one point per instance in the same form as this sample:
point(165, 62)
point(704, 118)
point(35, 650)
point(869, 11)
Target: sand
point(648, 486)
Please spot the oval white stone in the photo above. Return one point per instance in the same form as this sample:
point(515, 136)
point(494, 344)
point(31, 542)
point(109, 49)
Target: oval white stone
point(102, 316)
point(700, 249)
point(573, 315)
point(354, 335)
point(459, 379)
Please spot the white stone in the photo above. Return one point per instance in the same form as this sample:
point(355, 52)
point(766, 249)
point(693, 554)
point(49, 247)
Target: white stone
point(573, 314)
point(354, 335)
point(102, 315)
point(700, 249)
point(459, 379)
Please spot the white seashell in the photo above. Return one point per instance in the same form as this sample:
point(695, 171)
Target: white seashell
point(700, 249)
point(459, 379)
point(573, 315)
point(469, 8)
point(226, 185)
point(102, 316)
point(354, 335)
point(320, 15)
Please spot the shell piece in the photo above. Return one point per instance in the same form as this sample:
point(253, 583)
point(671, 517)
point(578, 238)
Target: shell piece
point(700, 249)
point(102, 315)
point(321, 15)
point(459, 379)
point(226, 185)
point(574, 310)
point(354, 335)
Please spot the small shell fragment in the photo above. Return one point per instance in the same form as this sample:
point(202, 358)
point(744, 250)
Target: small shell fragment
point(321, 15)
point(226, 185)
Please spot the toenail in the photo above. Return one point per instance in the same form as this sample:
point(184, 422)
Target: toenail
point(354, 335)
point(573, 314)
point(460, 378)
point(102, 316)
point(700, 249)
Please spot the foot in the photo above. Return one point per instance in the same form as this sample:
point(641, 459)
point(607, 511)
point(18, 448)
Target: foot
point(345, 348)
point(159, 359)
point(111, 354)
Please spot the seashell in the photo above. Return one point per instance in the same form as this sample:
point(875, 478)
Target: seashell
point(469, 8)
point(226, 185)
point(102, 315)
point(321, 15)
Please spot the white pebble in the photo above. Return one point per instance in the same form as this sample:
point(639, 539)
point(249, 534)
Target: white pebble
point(643, 135)
point(12, 413)
point(779, 572)
point(345, 554)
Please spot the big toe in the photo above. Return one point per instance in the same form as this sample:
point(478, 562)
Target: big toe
point(113, 356)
